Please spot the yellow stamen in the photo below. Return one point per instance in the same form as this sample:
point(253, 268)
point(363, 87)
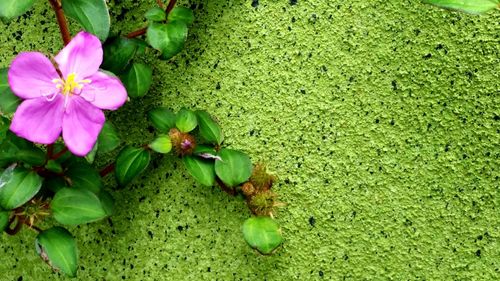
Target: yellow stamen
point(69, 85)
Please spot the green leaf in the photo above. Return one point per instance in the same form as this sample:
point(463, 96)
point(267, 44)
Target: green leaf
point(58, 248)
point(108, 138)
point(17, 186)
point(210, 131)
point(161, 144)
point(181, 14)
point(107, 201)
point(54, 184)
point(263, 234)
point(468, 6)
point(33, 156)
point(84, 176)
point(156, 14)
point(167, 38)
point(54, 166)
point(8, 101)
point(10, 9)
point(72, 206)
point(118, 52)
point(93, 15)
point(9, 147)
point(137, 79)
point(201, 170)
point(234, 167)
point(90, 157)
point(66, 157)
point(4, 220)
point(162, 118)
point(130, 163)
point(186, 120)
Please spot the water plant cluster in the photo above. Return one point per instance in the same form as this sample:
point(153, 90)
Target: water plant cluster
point(53, 129)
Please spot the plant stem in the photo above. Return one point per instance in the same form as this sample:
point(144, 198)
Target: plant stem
point(170, 7)
point(50, 150)
point(61, 20)
point(137, 33)
point(142, 31)
point(225, 188)
point(108, 169)
point(59, 154)
point(17, 228)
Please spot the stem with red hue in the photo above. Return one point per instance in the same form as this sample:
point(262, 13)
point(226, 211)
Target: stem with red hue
point(61, 20)
point(108, 169)
point(59, 154)
point(137, 33)
point(170, 7)
point(225, 188)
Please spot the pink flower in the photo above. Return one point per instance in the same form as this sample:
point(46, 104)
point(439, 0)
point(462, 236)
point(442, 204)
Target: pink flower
point(69, 99)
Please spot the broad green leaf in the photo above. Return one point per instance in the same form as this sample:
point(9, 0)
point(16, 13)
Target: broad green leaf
point(4, 220)
point(156, 14)
point(84, 176)
point(10, 145)
point(118, 52)
point(263, 234)
point(54, 184)
point(181, 14)
point(167, 38)
point(8, 101)
point(201, 170)
point(468, 6)
point(66, 157)
point(234, 167)
point(57, 247)
point(107, 201)
point(137, 79)
point(130, 163)
point(162, 118)
point(185, 120)
point(72, 206)
point(210, 131)
point(10, 9)
point(93, 15)
point(54, 166)
point(33, 156)
point(90, 157)
point(162, 144)
point(108, 138)
point(4, 127)
point(17, 186)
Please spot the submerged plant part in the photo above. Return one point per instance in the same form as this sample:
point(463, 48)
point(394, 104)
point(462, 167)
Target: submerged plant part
point(69, 99)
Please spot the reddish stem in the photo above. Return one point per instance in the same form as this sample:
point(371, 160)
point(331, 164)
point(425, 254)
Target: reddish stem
point(59, 154)
point(137, 33)
point(170, 7)
point(61, 20)
point(50, 150)
point(160, 3)
point(17, 228)
point(225, 188)
point(108, 169)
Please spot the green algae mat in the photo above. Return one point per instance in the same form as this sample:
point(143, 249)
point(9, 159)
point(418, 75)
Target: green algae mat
point(381, 120)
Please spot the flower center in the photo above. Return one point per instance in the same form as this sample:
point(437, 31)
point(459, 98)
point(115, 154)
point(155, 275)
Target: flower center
point(69, 85)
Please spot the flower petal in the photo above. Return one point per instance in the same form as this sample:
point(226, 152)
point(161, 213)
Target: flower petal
point(83, 56)
point(31, 74)
point(104, 91)
point(82, 123)
point(39, 120)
